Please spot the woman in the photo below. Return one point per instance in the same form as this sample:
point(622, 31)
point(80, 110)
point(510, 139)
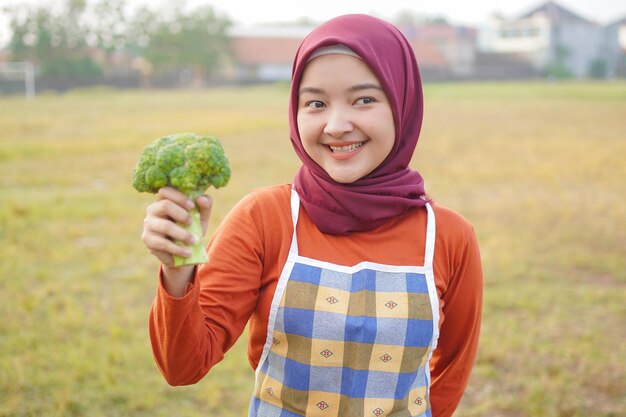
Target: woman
point(363, 296)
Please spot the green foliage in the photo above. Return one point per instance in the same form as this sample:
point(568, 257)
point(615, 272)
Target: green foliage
point(55, 41)
point(598, 69)
point(173, 41)
point(557, 68)
point(78, 40)
point(110, 29)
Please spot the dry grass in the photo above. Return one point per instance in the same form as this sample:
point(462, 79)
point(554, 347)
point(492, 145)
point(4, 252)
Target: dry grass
point(538, 168)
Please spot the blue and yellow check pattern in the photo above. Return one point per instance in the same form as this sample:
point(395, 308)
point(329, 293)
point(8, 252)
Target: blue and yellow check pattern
point(348, 344)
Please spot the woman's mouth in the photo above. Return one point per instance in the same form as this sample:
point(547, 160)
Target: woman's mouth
point(345, 148)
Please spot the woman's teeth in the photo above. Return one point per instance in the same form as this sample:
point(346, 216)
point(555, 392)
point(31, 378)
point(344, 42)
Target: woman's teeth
point(346, 148)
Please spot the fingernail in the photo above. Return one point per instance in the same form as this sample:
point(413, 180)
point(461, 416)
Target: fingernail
point(193, 239)
point(189, 204)
point(186, 253)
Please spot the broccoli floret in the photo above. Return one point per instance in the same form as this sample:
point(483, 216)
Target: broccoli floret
point(189, 162)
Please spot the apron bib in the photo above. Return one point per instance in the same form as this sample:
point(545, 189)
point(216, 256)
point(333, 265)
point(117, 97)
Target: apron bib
point(349, 341)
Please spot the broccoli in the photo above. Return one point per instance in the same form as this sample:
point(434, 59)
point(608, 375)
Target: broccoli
point(190, 163)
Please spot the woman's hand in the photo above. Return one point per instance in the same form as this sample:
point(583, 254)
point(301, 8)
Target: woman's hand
point(160, 230)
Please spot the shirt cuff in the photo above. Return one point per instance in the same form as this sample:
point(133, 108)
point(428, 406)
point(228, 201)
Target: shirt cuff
point(190, 290)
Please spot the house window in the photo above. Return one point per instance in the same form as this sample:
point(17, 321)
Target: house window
point(530, 32)
point(519, 32)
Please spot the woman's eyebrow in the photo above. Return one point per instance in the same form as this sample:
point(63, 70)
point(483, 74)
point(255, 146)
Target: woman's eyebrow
point(312, 90)
point(357, 87)
point(365, 86)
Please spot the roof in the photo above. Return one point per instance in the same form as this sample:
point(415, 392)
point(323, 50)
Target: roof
point(273, 45)
point(619, 22)
point(427, 55)
point(256, 51)
point(278, 46)
point(443, 32)
point(274, 31)
point(281, 51)
point(555, 13)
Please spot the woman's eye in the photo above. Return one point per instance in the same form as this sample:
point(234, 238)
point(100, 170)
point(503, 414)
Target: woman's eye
point(365, 100)
point(314, 104)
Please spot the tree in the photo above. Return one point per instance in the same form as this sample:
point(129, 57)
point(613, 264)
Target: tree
point(78, 42)
point(176, 41)
point(598, 69)
point(109, 29)
point(55, 42)
point(557, 68)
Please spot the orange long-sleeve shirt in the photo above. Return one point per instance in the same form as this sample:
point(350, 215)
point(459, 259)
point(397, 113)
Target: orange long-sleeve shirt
point(190, 334)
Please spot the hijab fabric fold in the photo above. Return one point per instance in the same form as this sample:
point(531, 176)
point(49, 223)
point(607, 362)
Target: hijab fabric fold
point(392, 188)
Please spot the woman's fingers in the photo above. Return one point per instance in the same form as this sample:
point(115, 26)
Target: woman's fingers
point(165, 220)
point(172, 194)
point(157, 237)
point(164, 248)
point(167, 209)
point(168, 229)
point(205, 204)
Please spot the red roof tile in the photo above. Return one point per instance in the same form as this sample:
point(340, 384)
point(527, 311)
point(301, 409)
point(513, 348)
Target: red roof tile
point(265, 50)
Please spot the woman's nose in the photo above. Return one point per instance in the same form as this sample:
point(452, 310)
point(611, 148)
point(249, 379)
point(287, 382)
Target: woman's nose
point(338, 123)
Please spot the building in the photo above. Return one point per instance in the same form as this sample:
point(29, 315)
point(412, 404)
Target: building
point(614, 49)
point(547, 41)
point(552, 39)
point(432, 63)
point(455, 45)
point(264, 53)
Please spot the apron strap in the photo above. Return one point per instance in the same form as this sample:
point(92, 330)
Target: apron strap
point(295, 210)
point(430, 237)
point(430, 230)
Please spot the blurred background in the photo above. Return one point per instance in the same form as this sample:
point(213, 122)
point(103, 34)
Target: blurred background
point(60, 45)
point(524, 134)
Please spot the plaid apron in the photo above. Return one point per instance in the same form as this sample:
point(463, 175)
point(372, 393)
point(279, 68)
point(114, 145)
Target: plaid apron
point(349, 341)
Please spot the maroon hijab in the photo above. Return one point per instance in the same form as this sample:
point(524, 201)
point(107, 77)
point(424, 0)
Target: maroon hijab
point(392, 188)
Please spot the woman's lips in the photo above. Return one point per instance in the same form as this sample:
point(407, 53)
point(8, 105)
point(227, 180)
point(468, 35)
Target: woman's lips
point(345, 150)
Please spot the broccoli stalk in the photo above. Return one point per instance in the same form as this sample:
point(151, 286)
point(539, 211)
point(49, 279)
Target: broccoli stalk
point(190, 163)
point(198, 254)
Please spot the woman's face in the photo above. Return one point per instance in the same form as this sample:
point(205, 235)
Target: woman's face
point(344, 118)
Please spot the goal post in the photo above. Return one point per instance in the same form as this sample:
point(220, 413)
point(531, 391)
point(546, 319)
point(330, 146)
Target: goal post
point(25, 71)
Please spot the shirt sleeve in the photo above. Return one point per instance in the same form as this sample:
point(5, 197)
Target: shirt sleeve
point(453, 359)
point(190, 334)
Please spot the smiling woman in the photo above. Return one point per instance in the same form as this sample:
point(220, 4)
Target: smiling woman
point(344, 118)
point(357, 303)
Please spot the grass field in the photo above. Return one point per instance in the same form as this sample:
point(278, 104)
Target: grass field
point(538, 168)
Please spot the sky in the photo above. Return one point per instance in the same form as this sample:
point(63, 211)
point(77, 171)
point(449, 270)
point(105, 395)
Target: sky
point(457, 11)
point(471, 12)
